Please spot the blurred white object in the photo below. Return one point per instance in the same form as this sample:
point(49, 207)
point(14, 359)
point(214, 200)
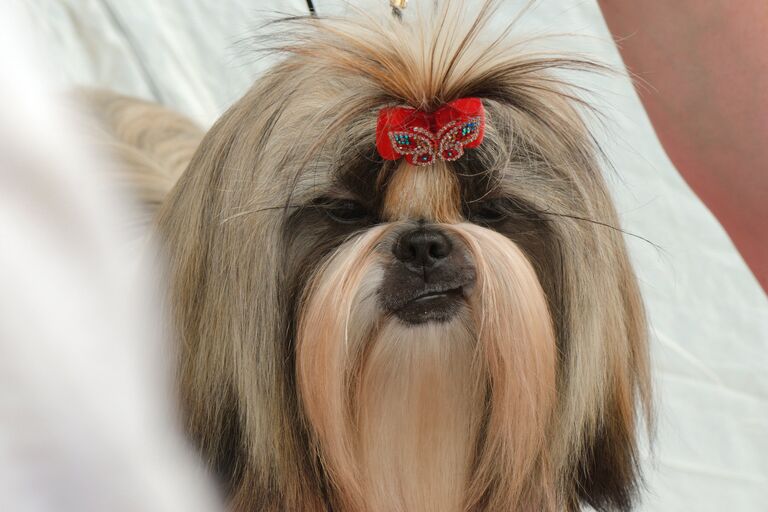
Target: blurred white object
point(86, 415)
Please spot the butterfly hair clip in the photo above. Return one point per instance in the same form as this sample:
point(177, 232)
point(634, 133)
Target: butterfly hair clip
point(423, 137)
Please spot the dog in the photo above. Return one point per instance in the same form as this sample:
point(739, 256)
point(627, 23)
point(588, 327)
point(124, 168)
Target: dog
point(397, 278)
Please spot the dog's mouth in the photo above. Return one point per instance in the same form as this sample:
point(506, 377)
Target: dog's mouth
point(437, 304)
point(436, 295)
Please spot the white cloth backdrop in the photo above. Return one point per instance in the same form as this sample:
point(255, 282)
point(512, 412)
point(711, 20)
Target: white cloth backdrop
point(709, 316)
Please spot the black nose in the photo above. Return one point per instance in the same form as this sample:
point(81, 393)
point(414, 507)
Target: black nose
point(422, 248)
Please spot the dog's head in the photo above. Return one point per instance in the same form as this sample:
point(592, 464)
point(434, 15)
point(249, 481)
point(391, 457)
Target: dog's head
point(368, 334)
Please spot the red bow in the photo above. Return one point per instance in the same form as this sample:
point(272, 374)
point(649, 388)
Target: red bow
point(422, 137)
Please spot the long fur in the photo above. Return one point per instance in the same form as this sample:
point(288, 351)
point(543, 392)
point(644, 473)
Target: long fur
point(290, 377)
point(399, 410)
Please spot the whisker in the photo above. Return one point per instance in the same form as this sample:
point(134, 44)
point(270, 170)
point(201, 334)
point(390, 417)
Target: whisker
point(259, 210)
point(603, 224)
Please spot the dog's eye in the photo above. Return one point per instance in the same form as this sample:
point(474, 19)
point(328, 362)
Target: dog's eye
point(344, 211)
point(487, 212)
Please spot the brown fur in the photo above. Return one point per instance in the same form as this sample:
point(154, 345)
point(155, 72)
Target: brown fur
point(415, 194)
point(289, 375)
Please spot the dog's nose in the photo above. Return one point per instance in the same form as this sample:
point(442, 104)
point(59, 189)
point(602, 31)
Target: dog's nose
point(422, 248)
point(429, 277)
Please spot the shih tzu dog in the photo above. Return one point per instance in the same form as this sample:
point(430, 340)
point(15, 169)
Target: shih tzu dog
point(397, 278)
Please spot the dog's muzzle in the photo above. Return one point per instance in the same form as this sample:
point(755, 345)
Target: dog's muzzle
point(429, 277)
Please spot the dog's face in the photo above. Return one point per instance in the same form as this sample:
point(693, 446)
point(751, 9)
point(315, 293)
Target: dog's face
point(424, 344)
point(361, 334)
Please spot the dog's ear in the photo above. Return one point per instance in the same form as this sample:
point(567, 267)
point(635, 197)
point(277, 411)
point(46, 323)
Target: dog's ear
point(221, 230)
point(607, 474)
point(607, 470)
point(579, 251)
